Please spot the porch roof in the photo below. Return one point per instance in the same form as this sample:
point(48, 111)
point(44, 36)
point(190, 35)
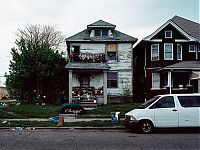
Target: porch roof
point(87, 66)
point(183, 65)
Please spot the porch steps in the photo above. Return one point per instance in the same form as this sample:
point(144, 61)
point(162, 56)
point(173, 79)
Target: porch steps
point(88, 104)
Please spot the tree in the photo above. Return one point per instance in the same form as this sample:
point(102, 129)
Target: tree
point(37, 67)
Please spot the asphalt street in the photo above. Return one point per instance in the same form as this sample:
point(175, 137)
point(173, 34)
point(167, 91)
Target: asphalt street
point(62, 139)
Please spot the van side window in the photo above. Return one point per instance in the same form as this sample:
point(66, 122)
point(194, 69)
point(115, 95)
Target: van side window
point(165, 102)
point(189, 101)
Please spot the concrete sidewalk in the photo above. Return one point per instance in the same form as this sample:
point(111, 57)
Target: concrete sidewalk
point(66, 119)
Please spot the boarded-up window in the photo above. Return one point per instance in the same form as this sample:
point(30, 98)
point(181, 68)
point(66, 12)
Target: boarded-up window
point(111, 47)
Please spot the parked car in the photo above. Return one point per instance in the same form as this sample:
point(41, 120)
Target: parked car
point(165, 111)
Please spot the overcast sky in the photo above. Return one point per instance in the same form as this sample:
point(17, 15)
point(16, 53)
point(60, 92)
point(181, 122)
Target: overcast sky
point(137, 18)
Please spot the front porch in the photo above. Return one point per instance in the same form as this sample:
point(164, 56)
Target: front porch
point(183, 77)
point(88, 83)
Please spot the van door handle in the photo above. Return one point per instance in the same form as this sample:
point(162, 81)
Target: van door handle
point(174, 110)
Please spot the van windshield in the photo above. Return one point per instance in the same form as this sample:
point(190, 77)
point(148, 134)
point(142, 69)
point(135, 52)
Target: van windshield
point(149, 102)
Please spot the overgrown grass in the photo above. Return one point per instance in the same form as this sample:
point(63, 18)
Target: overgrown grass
point(27, 111)
point(47, 111)
point(106, 111)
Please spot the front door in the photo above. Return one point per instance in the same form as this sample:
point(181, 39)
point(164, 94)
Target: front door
point(84, 80)
point(165, 112)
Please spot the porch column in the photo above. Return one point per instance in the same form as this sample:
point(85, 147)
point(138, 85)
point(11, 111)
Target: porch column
point(70, 86)
point(170, 81)
point(105, 101)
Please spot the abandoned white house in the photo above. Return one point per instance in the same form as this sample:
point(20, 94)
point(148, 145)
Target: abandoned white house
point(100, 63)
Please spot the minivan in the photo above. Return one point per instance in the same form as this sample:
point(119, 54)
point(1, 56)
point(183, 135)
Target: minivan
point(165, 111)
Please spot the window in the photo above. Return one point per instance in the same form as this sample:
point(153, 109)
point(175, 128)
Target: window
point(189, 101)
point(101, 32)
point(155, 80)
point(97, 32)
point(168, 34)
point(179, 52)
point(199, 48)
point(168, 51)
point(192, 48)
point(76, 49)
point(111, 55)
point(154, 52)
point(165, 102)
point(104, 32)
point(112, 80)
point(111, 50)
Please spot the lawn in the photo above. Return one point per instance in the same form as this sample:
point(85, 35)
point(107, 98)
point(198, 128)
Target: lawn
point(29, 111)
point(47, 111)
point(106, 111)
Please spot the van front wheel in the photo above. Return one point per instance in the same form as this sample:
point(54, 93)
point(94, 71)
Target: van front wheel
point(145, 126)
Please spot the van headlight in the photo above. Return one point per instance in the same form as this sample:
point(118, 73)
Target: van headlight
point(131, 118)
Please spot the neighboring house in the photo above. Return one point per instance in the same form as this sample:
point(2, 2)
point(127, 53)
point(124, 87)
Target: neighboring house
point(168, 60)
point(3, 92)
point(100, 63)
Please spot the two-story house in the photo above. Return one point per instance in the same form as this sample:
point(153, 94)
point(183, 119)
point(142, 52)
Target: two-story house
point(168, 60)
point(100, 63)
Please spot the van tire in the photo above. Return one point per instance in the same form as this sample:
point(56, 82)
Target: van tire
point(145, 126)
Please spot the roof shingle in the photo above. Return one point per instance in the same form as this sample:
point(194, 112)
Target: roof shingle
point(192, 28)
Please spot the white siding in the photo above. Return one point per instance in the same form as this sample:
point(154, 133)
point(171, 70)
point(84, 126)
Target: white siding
point(123, 65)
point(96, 80)
point(93, 48)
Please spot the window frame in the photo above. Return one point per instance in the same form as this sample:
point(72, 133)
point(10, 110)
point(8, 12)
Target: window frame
point(153, 81)
point(181, 52)
point(158, 53)
point(168, 31)
point(190, 48)
point(101, 32)
point(156, 106)
point(109, 58)
point(187, 102)
point(172, 51)
point(104, 32)
point(117, 75)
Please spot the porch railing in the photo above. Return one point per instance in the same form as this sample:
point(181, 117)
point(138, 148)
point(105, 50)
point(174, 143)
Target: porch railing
point(88, 57)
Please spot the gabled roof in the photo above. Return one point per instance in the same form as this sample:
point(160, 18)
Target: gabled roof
point(190, 29)
point(117, 36)
point(101, 23)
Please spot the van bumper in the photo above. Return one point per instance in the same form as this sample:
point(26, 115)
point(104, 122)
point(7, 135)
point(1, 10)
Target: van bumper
point(131, 124)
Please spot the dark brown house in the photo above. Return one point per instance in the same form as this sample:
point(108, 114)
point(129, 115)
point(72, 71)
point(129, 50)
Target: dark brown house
point(168, 60)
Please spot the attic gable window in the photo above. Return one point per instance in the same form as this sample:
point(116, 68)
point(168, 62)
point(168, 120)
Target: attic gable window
point(101, 32)
point(168, 34)
point(97, 32)
point(104, 32)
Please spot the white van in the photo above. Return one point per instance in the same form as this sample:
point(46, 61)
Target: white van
point(166, 111)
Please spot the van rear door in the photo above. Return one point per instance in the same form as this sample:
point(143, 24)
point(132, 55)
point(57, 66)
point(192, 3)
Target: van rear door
point(165, 112)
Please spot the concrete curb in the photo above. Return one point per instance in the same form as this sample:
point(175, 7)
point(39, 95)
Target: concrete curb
point(65, 128)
